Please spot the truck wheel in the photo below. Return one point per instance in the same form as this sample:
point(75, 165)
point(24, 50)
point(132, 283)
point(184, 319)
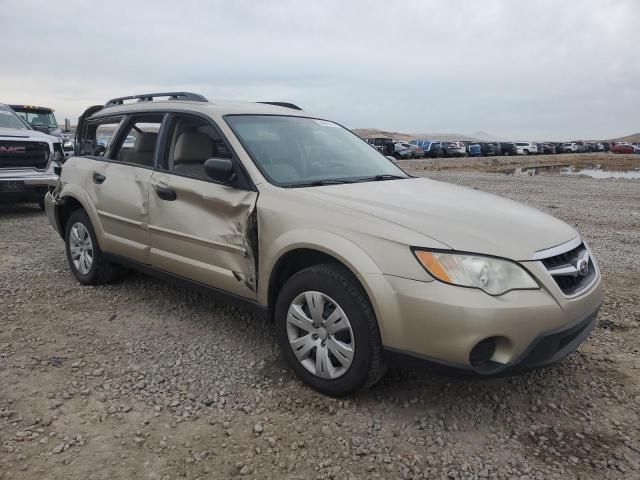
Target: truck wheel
point(86, 261)
point(328, 332)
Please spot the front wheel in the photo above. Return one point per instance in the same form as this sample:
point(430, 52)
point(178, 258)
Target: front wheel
point(328, 332)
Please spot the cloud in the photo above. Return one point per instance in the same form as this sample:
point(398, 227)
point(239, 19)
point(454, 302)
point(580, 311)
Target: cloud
point(521, 69)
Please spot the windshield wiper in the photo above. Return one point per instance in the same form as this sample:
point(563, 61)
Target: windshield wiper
point(378, 178)
point(320, 183)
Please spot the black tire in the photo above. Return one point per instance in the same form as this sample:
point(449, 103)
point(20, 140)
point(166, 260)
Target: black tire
point(525, 152)
point(101, 270)
point(337, 282)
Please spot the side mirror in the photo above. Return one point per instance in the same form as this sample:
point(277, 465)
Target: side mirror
point(220, 169)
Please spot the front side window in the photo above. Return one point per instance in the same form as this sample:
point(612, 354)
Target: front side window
point(298, 151)
point(193, 141)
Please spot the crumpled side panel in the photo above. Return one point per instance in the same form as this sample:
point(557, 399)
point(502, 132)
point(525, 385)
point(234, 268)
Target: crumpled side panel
point(204, 234)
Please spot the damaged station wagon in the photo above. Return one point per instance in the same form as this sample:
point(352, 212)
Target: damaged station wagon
point(361, 265)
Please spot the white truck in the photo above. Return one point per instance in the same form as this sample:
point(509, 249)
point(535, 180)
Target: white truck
point(27, 160)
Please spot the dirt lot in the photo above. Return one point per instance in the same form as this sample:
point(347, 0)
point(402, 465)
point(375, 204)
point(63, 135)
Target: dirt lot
point(141, 379)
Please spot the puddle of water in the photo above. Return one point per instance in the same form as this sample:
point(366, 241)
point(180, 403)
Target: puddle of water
point(593, 171)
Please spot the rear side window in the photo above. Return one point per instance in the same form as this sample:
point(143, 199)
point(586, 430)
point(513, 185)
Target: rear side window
point(98, 136)
point(136, 145)
point(104, 134)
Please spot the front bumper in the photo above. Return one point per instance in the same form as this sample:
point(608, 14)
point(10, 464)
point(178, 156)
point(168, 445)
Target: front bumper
point(442, 324)
point(25, 185)
point(548, 348)
point(29, 178)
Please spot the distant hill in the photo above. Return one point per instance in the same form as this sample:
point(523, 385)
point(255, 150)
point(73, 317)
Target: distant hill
point(487, 137)
point(634, 137)
point(374, 132)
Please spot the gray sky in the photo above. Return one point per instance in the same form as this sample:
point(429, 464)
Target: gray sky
point(534, 69)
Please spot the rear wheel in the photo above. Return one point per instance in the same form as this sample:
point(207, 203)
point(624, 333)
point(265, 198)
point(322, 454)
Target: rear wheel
point(328, 332)
point(85, 258)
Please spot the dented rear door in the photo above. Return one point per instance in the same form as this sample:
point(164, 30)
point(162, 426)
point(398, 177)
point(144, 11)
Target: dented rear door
point(120, 196)
point(203, 232)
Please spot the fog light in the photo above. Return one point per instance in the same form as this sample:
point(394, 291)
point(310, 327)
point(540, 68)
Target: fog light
point(482, 352)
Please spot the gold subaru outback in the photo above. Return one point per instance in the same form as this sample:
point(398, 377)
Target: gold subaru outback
point(360, 265)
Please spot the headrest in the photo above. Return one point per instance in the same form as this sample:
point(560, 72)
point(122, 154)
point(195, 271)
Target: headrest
point(192, 146)
point(145, 142)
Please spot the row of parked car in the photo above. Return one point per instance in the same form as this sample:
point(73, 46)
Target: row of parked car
point(437, 148)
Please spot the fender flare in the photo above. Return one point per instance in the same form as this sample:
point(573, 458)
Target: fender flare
point(79, 195)
point(332, 244)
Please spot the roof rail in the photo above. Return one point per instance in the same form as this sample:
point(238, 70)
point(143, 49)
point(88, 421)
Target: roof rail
point(148, 97)
point(283, 104)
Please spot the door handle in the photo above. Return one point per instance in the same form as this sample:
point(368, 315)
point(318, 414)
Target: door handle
point(98, 178)
point(166, 193)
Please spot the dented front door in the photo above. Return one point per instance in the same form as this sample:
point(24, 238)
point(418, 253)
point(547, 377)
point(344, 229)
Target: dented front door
point(201, 231)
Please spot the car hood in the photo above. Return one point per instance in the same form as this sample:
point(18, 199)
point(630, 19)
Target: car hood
point(462, 218)
point(24, 133)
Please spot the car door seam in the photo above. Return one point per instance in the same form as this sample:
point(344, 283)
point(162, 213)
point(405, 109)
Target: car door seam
point(195, 238)
point(119, 218)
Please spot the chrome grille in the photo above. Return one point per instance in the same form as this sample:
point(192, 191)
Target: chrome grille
point(572, 270)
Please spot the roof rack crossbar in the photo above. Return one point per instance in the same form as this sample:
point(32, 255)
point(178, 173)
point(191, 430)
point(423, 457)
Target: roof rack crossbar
point(148, 97)
point(283, 104)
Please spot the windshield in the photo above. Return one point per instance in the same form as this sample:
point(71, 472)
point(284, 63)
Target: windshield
point(38, 117)
point(8, 119)
point(292, 151)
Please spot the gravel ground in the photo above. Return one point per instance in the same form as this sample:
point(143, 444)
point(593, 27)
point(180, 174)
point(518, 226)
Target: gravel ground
point(141, 379)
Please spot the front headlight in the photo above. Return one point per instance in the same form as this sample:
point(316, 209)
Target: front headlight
point(489, 274)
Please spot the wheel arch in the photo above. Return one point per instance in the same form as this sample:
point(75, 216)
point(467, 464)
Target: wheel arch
point(70, 199)
point(65, 207)
point(290, 256)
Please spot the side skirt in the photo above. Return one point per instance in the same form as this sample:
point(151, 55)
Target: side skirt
point(180, 281)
